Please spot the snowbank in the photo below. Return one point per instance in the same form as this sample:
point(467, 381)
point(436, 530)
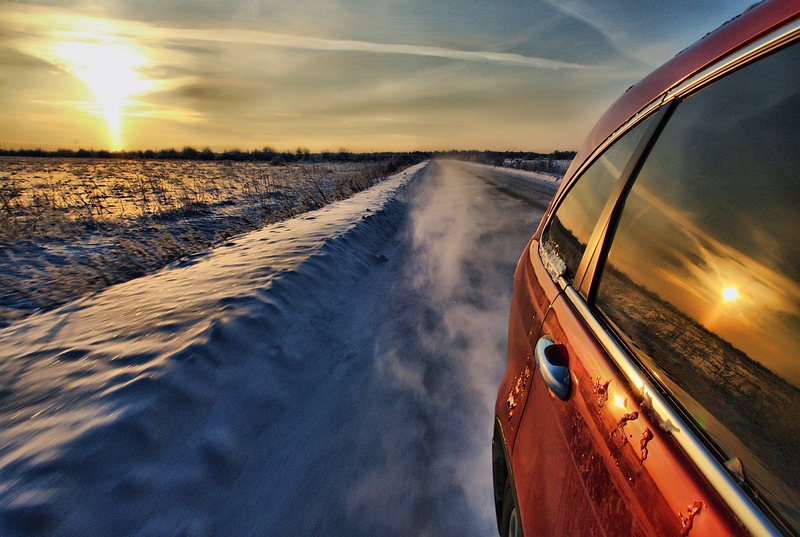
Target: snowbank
point(536, 176)
point(331, 374)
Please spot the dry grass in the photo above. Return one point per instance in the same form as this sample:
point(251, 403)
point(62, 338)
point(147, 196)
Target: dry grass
point(73, 226)
point(53, 198)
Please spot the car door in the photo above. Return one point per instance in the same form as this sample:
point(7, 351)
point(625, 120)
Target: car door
point(592, 458)
point(598, 464)
point(554, 488)
point(701, 283)
point(666, 387)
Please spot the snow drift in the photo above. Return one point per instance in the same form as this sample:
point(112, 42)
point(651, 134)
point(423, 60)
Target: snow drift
point(330, 374)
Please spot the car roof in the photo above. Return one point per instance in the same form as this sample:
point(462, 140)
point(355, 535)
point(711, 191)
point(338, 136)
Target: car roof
point(735, 34)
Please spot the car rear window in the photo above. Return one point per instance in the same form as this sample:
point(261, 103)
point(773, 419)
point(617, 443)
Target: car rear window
point(570, 229)
point(702, 280)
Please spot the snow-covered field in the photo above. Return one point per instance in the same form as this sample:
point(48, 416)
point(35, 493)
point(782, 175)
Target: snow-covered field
point(72, 226)
point(332, 374)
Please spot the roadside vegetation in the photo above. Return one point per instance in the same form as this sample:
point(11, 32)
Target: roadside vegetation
point(71, 226)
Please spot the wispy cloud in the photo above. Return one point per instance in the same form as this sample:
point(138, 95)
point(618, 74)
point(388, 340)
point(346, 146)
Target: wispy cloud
point(53, 22)
point(336, 45)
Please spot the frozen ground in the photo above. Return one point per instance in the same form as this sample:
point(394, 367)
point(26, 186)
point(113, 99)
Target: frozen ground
point(333, 374)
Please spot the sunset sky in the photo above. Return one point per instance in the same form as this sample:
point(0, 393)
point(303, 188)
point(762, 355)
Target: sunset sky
point(365, 75)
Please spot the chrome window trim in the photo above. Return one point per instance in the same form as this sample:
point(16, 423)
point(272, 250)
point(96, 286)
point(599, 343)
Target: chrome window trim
point(661, 411)
point(587, 270)
point(637, 118)
point(772, 41)
point(628, 170)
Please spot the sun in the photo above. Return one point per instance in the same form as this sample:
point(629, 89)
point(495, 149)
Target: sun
point(112, 73)
point(729, 294)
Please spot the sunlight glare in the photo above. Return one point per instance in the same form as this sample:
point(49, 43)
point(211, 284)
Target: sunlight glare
point(111, 71)
point(729, 294)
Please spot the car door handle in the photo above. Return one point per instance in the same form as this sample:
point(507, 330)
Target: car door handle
point(556, 377)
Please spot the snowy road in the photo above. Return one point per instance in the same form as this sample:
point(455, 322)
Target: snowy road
point(334, 374)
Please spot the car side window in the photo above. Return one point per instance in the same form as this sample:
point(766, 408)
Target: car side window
point(571, 226)
point(702, 279)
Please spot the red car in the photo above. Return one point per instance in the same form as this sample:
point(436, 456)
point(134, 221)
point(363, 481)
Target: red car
point(653, 378)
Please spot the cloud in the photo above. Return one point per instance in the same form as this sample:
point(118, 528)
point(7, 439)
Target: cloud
point(338, 45)
point(532, 34)
point(37, 21)
point(367, 76)
point(654, 34)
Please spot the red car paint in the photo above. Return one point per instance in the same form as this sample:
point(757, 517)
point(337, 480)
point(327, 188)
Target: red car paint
point(601, 462)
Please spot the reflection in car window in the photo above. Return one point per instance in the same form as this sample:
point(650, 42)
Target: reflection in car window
point(703, 275)
point(571, 227)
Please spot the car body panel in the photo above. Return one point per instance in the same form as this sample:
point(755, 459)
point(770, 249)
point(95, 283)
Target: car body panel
point(529, 303)
point(604, 462)
point(598, 463)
